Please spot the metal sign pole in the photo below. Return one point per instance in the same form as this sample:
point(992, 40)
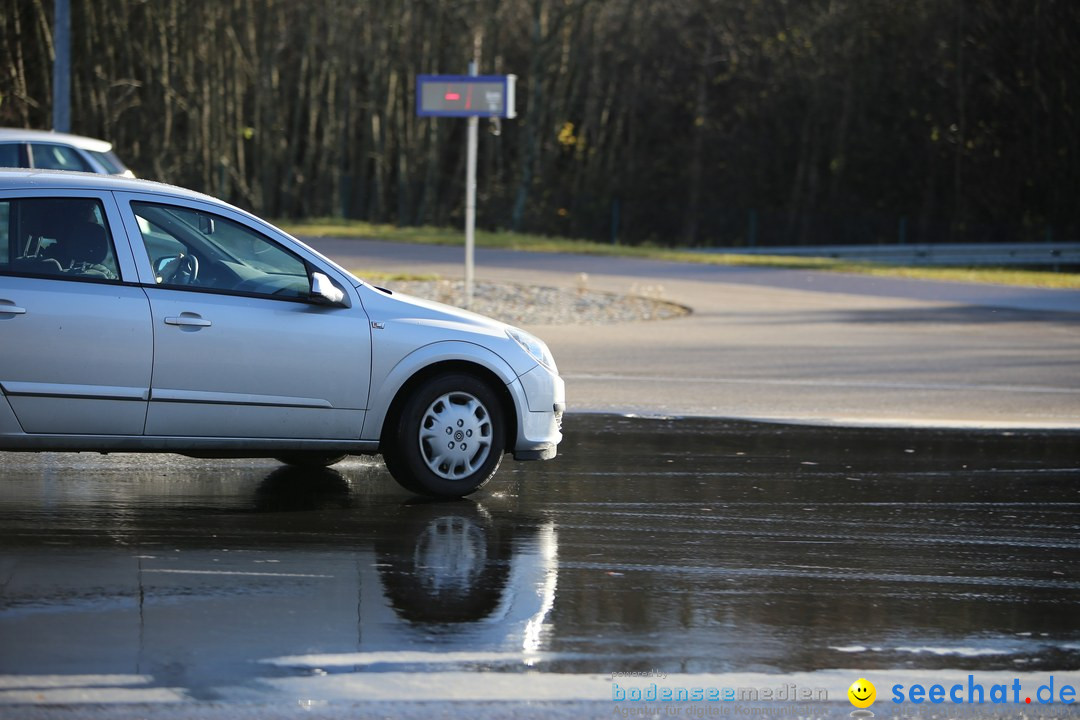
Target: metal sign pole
point(470, 200)
point(469, 96)
point(61, 110)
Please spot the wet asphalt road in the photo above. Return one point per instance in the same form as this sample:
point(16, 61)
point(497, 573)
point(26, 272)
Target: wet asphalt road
point(689, 549)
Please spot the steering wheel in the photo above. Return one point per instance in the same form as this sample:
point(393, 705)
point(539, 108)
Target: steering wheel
point(188, 270)
point(181, 270)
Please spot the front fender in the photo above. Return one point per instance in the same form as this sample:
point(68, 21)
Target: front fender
point(384, 390)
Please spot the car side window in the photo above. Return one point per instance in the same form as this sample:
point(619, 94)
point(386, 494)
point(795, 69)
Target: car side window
point(57, 157)
point(66, 238)
point(9, 155)
point(194, 249)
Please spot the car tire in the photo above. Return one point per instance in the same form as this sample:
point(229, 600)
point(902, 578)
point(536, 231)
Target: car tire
point(311, 458)
point(448, 438)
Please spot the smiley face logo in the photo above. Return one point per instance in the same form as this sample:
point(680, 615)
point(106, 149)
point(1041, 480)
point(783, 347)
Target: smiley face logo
point(862, 693)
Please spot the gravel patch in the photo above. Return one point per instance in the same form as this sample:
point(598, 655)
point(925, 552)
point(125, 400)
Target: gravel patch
point(532, 305)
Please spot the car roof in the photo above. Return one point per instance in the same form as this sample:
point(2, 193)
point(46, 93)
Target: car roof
point(49, 136)
point(23, 179)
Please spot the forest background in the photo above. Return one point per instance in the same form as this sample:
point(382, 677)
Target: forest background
point(677, 122)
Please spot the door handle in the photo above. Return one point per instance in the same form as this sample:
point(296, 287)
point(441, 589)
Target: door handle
point(187, 320)
point(10, 309)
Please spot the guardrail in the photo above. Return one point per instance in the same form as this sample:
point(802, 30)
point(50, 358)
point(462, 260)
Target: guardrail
point(961, 254)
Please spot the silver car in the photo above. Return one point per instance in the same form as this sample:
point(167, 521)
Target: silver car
point(140, 317)
point(47, 150)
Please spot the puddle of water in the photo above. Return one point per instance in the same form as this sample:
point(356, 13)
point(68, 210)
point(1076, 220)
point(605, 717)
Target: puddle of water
point(682, 546)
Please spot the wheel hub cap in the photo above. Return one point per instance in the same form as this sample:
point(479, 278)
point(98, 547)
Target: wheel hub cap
point(455, 435)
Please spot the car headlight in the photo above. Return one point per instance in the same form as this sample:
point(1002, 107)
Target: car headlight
point(533, 345)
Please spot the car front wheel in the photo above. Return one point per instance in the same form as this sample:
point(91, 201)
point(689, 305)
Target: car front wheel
point(449, 437)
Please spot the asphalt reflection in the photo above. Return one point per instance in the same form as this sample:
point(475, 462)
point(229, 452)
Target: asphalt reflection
point(687, 546)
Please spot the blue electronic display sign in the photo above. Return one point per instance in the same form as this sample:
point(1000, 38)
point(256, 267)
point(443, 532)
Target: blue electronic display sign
point(465, 95)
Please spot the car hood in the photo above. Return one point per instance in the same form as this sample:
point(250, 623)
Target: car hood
point(391, 306)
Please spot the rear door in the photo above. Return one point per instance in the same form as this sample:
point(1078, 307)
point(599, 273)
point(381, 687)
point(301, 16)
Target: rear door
point(75, 339)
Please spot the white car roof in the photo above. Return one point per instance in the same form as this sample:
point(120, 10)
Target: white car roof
point(48, 136)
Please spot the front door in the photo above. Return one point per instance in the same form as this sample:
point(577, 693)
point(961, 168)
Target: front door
point(240, 348)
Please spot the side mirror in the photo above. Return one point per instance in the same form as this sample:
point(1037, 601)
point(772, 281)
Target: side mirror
point(323, 288)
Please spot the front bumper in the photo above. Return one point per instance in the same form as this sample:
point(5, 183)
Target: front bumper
point(540, 398)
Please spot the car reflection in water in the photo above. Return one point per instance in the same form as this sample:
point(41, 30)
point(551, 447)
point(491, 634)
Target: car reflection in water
point(465, 566)
point(203, 593)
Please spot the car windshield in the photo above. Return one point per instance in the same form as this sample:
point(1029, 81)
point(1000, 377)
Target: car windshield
point(109, 161)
